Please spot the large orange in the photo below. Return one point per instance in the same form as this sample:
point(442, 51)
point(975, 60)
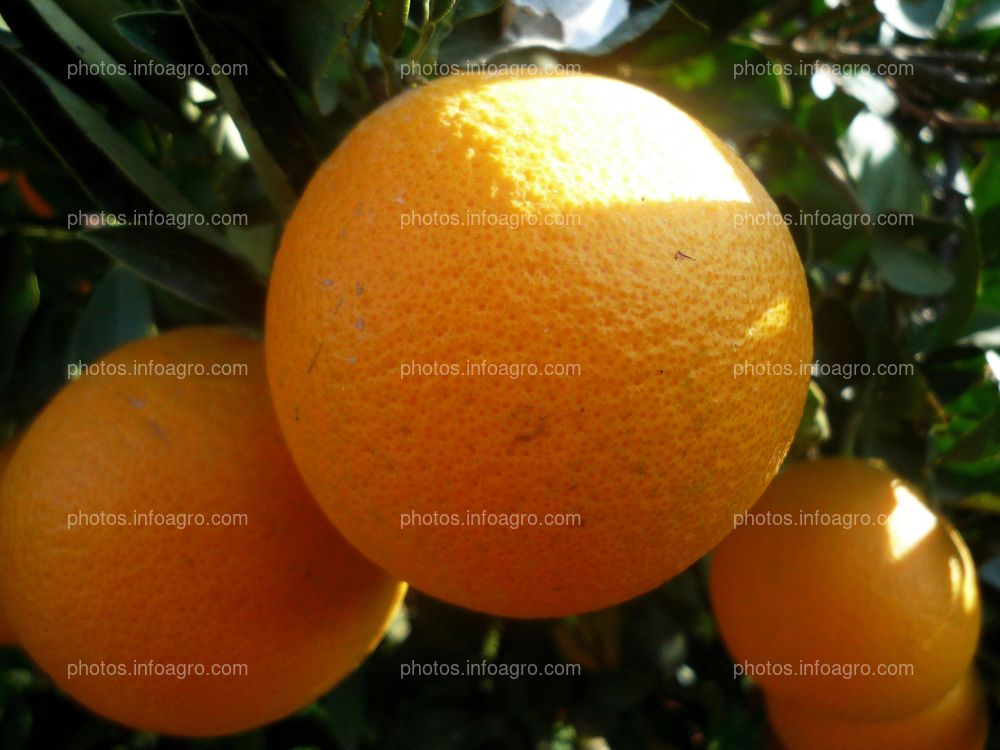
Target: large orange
point(125, 612)
point(844, 593)
point(7, 637)
point(958, 721)
point(479, 227)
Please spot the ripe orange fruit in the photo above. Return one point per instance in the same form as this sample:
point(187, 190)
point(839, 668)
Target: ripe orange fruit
point(844, 593)
point(175, 622)
point(7, 637)
point(479, 227)
point(958, 721)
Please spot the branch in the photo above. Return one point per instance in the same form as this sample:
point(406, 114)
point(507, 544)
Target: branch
point(933, 69)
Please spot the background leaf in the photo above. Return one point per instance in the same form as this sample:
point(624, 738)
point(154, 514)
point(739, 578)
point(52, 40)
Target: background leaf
point(119, 311)
point(194, 270)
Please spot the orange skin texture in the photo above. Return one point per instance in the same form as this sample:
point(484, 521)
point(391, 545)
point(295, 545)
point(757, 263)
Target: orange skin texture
point(7, 637)
point(899, 592)
point(283, 594)
point(958, 721)
point(651, 291)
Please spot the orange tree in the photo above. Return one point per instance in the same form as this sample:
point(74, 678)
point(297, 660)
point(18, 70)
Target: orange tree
point(151, 151)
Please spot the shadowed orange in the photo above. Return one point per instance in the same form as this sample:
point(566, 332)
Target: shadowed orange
point(262, 594)
point(844, 578)
point(958, 721)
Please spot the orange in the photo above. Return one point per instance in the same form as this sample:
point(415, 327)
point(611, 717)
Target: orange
point(33, 199)
point(7, 637)
point(843, 592)
point(958, 721)
point(29, 196)
point(161, 558)
point(502, 331)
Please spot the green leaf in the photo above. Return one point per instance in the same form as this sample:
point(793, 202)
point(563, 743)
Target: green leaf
point(922, 19)
point(441, 8)
point(19, 297)
point(637, 24)
point(989, 572)
point(962, 297)
point(886, 177)
point(979, 443)
point(540, 33)
point(346, 708)
point(92, 54)
point(191, 268)
point(814, 427)
point(119, 311)
point(984, 17)
point(104, 163)
point(466, 10)
point(390, 22)
point(987, 502)
point(986, 178)
point(163, 35)
point(309, 35)
point(839, 339)
point(280, 149)
point(16, 725)
point(908, 268)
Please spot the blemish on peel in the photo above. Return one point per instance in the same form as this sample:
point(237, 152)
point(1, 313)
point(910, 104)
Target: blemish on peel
point(360, 324)
point(137, 403)
point(312, 363)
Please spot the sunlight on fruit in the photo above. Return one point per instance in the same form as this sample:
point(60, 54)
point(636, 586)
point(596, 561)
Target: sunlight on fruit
point(698, 172)
point(910, 522)
point(963, 578)
point(772, 321)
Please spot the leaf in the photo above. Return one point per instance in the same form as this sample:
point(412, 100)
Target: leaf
point(163, 35)
point(922, 19)
point(884, 174)
point(193, 269)
point(280, 149)
point(631, 28)
point(466, 10)
point(986, 502)
point(104, 163)
point(814, 426)
point(390, 22)
point(309, 35)
point(19, 297)
point(986, 179)
point(962, 297)
point(93, 55)
point(537, 23)
point(908, 268)
point(839, 339)
point(346, 708)
point(119, 311)
point(979, 443)
point(985, 17)
point(990, 572)
point(440, 9)
point(16, 724)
